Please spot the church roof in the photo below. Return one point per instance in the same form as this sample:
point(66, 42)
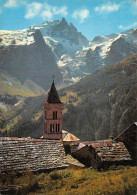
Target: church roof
point(19, 154)
point(53, 97)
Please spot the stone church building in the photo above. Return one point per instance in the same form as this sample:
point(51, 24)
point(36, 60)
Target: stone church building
point(49, 152)
point(53, 115)
point(19, 154)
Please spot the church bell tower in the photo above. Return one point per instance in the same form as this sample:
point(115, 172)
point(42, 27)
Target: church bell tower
point(53, 115)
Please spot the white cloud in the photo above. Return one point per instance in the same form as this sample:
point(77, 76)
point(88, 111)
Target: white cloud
point(133, 25)
point(11, 3)
point(107, 8)
point(50, 11)
point(81, 14)
point(134, 2)
point(44, 10)
point(33, 10)
point(60, 11)
point(46, 14)
point(134, 7)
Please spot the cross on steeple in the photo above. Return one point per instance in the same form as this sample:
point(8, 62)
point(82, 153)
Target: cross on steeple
point(53, 115)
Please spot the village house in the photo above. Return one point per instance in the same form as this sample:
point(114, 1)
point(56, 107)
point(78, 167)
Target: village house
point(101, 154)
point(19, 154)
point(58, 148)
point(129, 138)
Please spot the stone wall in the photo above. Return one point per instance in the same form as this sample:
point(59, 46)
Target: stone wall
point(49, 119)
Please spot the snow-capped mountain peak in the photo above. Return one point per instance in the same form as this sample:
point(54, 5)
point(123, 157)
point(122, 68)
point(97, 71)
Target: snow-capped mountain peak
point(75, 56)
point(62, 37)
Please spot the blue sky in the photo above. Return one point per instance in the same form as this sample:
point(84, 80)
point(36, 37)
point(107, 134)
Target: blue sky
point(91, 17)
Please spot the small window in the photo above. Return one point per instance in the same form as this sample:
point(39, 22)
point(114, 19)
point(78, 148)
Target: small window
point(55, 115)
point(50, 127)
point(58, 127)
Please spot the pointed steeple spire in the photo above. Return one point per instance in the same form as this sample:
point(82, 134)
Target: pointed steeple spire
point(53, 97)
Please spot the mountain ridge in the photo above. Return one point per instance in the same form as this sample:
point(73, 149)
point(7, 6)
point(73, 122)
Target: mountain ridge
point(73, 54)
point(99, 105)
point(34, 61)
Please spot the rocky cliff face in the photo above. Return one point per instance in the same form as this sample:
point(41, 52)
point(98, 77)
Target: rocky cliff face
point(30, 61)
point(60, 50)
point(62, 37)
point(102, 50)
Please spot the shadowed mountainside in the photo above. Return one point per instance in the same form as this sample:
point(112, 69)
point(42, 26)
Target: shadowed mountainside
point(32, 61)
point(99, 105)
point(108, 101)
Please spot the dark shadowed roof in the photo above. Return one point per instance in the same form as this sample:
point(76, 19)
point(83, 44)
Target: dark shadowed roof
point(128, 132)
point(108, 150)
point(53, 97)
point(18, 154)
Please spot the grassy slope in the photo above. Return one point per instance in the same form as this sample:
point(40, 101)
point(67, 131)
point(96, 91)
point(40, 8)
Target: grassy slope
point(13, 97)
point(10, 85)
point(70, 181)
point(27, 119)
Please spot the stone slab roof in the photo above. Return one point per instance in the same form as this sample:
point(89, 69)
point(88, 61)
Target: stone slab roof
point(18, 154)
point(109, 150)
point(72, 161)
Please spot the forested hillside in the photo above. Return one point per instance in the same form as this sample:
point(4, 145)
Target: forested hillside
point(105, 102)
point(99, 105)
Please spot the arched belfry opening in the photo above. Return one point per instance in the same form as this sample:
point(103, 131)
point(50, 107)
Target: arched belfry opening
point(53, 115)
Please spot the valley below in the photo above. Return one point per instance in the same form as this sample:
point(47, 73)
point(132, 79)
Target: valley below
point(100, 105)
point(96, 80)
